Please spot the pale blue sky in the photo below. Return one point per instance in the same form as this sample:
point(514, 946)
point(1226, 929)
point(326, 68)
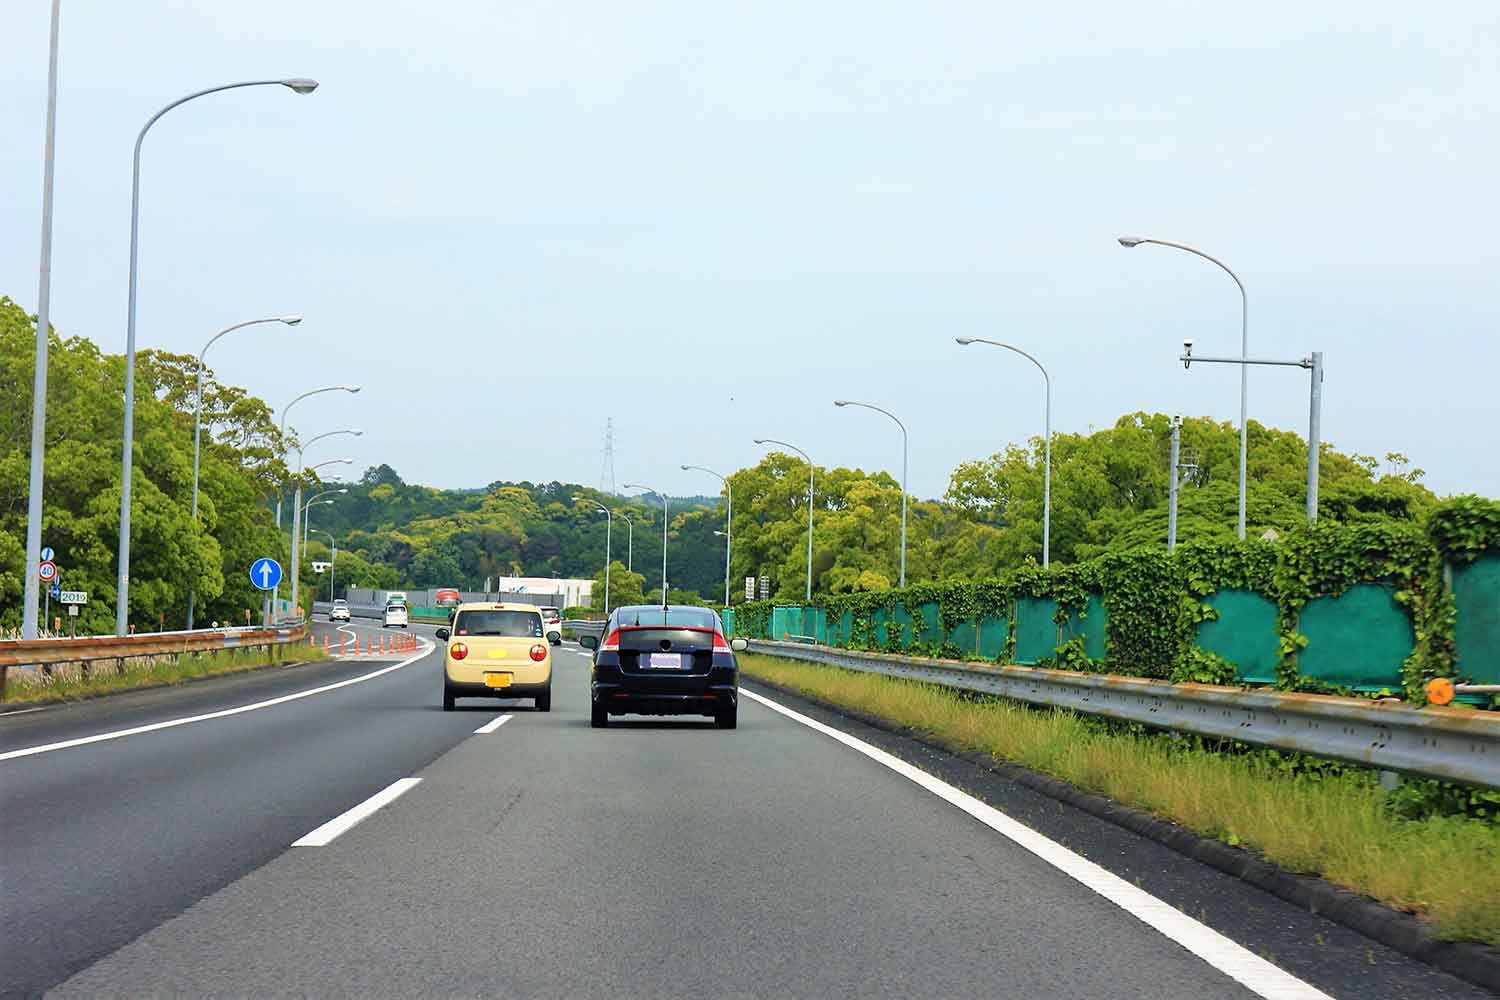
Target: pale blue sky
point(520, 219)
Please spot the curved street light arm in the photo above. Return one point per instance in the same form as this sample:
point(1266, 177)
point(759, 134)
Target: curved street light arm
point(1131, 241)
point(728, 531)
point(1047, 440)
point(811, 470)
point(122, 589)
point(905, 451)
point(666, 521)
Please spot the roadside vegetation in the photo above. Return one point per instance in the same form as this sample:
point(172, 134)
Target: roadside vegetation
point(71, 680)
point(1425, 849)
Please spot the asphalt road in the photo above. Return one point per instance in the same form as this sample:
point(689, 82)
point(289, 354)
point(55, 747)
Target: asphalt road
point(542, 857)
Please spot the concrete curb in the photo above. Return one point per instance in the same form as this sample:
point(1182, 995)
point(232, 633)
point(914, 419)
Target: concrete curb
point(1474, 963)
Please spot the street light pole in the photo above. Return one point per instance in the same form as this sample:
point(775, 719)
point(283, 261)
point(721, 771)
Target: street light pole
point(609, 525)
point(1134, 241)
point(315, 468)
point(728, 522)
point(665, 520)
point(904, 450)
point(809, 505)
point(1046, 446)
point(629, 542)
point(332, 559)
point(1314, 364)
point(30, 583)
point(122, 598)
point(297, 505)
point(306, 516)
point(281, 433)
point(198, 423)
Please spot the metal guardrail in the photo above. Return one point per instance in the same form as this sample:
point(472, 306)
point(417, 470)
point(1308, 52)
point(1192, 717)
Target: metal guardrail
point(1452, 744)
point(45, 652)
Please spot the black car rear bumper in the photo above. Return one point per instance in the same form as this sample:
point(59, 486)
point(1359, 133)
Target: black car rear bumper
point(627, 699)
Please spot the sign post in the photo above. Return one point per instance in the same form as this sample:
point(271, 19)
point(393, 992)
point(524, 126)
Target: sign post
point(71, 599)
point(46, 571)
point(265, 574)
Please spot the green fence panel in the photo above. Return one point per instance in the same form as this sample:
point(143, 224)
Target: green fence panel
point(932, 625)
point(785, 621)
point(727, 617)
point(877, 629)
point(903, 621)
point(1090, 625)
point(1036, 632)
point(1245, 634)
point(820, 625)
point(842, 631)
point(966, 638)
point(1476, 591)
point(1358, 639)
point(993, 634)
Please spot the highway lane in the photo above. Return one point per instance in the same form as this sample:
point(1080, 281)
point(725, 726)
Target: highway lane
point(542, 857)
point(105, 841)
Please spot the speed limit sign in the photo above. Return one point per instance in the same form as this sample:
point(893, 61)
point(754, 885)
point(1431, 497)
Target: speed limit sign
point(47, 572)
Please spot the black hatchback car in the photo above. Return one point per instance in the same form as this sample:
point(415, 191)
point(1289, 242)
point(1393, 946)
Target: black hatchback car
point(664, 660)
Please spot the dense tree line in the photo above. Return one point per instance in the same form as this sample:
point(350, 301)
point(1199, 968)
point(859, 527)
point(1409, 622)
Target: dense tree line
point(240, 466)
point(1109, 492)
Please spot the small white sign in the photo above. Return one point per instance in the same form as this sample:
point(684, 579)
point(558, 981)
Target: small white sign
point(73, 610)
point(74, 597)
point(320, 567)
point(749, 588)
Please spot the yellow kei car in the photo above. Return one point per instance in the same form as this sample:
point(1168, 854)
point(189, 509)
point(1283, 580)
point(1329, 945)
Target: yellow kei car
point(497, 651)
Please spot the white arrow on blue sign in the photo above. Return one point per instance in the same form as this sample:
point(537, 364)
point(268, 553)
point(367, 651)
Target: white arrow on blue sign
point(47, 555)
point(265, 573)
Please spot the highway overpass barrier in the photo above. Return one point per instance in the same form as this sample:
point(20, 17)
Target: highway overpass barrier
point(1451, 744)
point(51, 652)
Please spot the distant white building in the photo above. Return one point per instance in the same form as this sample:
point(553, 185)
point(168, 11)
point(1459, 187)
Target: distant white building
point(574, 593)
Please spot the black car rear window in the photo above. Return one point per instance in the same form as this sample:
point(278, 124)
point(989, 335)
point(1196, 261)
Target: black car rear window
point(679, 617)
point(518, 624)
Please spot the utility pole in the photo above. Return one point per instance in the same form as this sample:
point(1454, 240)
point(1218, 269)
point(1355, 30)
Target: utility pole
point(1179, 471)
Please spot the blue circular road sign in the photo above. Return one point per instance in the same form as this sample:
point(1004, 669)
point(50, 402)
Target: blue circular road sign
point(265, 573)
point(47, 555)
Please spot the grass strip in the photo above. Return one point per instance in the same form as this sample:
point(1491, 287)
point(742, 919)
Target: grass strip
point(1338, 827)
point(71, 681)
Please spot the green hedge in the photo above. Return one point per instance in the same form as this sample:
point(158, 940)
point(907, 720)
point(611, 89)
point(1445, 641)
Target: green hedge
point(1153, 602)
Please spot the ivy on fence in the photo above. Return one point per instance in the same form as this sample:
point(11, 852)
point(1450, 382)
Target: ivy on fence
point(1155, 601)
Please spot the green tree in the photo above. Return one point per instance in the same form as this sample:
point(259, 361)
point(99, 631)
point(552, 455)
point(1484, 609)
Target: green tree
point(625, 587)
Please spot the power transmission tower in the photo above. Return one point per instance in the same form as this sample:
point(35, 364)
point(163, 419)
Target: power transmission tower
point(607, 473)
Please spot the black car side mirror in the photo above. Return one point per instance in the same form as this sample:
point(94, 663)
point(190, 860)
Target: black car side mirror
point(588, 641)
point(450, 618)
point(443, 634)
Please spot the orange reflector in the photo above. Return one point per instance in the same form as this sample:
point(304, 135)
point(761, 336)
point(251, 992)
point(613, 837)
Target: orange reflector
point(1439, 691)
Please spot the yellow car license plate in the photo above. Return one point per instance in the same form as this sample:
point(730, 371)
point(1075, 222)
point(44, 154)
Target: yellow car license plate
point(497, 680)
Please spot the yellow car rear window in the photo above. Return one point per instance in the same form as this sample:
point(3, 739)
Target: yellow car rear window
point(514, 624)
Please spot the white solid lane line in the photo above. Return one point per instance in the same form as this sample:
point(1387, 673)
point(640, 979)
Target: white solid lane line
point(223, 713)
point(1236, 962)
point(493, 724)
point(330, 831)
